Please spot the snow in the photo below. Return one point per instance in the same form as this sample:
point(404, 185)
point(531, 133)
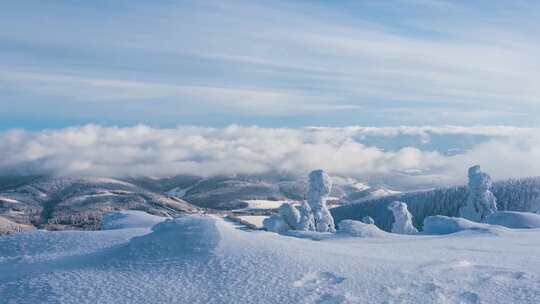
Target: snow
point(403, 220)
point(276, 223)
point(204, 259)
point(481, 203)
point(8, 200)
point(359, 229)
point(256, 220)
point(178, 191)
point(440, 224)
point(263, 204)
point(319, 187)
point(516, 220)
point(368, 220)
point(381, 192)
point(8, 226)
point(129, 219)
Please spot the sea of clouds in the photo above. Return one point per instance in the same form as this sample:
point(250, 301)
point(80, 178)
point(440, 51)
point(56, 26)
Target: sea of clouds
point(351, 151)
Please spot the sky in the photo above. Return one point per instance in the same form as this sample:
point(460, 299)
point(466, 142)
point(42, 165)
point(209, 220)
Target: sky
point(273, 64)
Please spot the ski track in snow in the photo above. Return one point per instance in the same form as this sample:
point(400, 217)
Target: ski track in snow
point(204, 259)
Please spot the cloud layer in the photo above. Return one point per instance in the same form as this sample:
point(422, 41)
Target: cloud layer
point(352, 151)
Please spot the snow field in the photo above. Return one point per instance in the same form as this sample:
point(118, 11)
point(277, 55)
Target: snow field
point(204, 259)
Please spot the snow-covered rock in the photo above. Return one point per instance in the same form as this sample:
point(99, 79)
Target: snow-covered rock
point(481, 203)
point(359, 229)
point(319, 188)
point(402, 218)
point(129, 219)
point(515, 220)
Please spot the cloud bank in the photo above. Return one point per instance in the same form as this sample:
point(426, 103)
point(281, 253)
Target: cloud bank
point(352, 151)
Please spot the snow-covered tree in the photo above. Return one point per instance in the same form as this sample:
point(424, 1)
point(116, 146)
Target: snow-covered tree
point(480, 201)
point(368, 220)
point(287, 218)
point(307, 222)
point(290, 215)
point(319, 188)
point(521, 195)
point(402, 218)
point(313, 215)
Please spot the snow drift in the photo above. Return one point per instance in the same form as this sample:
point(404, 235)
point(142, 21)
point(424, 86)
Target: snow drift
point(515, 220)
point(173, 239)
point(440, 224)
point(359, 229)
point(129, 219)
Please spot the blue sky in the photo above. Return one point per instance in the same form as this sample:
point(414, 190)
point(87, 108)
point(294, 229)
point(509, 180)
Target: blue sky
point(269, 63)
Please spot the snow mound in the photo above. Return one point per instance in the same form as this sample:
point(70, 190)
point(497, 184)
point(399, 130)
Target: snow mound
point(129, 219)
point(175, 239)
point(515, 220)
point(359, 229)
point(440, 224)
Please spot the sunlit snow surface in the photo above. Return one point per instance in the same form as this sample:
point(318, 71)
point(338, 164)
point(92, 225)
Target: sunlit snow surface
point(203, 259)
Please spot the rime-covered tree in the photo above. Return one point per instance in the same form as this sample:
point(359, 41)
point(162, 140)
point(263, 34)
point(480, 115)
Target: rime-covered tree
point(319, 188)
point(402, 218)
point(290, 215)
point(480, 201)
point(307, 222)
point(521, 194)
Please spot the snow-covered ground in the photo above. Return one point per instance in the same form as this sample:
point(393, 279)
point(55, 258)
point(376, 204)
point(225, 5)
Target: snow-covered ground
point(204, 259)
point(263, 204)
point(8, 200)
point(256, 220)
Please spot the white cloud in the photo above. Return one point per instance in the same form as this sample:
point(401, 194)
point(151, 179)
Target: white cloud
point(142, 150)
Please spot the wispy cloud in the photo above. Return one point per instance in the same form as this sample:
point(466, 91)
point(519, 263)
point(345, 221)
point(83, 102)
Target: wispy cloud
point(278, 61)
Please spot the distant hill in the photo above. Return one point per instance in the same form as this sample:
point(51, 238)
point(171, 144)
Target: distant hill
point(79, 203)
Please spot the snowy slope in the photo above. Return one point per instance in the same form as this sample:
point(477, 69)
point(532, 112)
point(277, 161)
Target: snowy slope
point(231, 192)
point(202, 259)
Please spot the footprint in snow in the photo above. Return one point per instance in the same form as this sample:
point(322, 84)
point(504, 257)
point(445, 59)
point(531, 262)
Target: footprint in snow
point(320, 288)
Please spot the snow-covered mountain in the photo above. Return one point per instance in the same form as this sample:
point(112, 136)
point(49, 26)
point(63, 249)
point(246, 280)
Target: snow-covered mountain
point(232, 192)
point(59, 203)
